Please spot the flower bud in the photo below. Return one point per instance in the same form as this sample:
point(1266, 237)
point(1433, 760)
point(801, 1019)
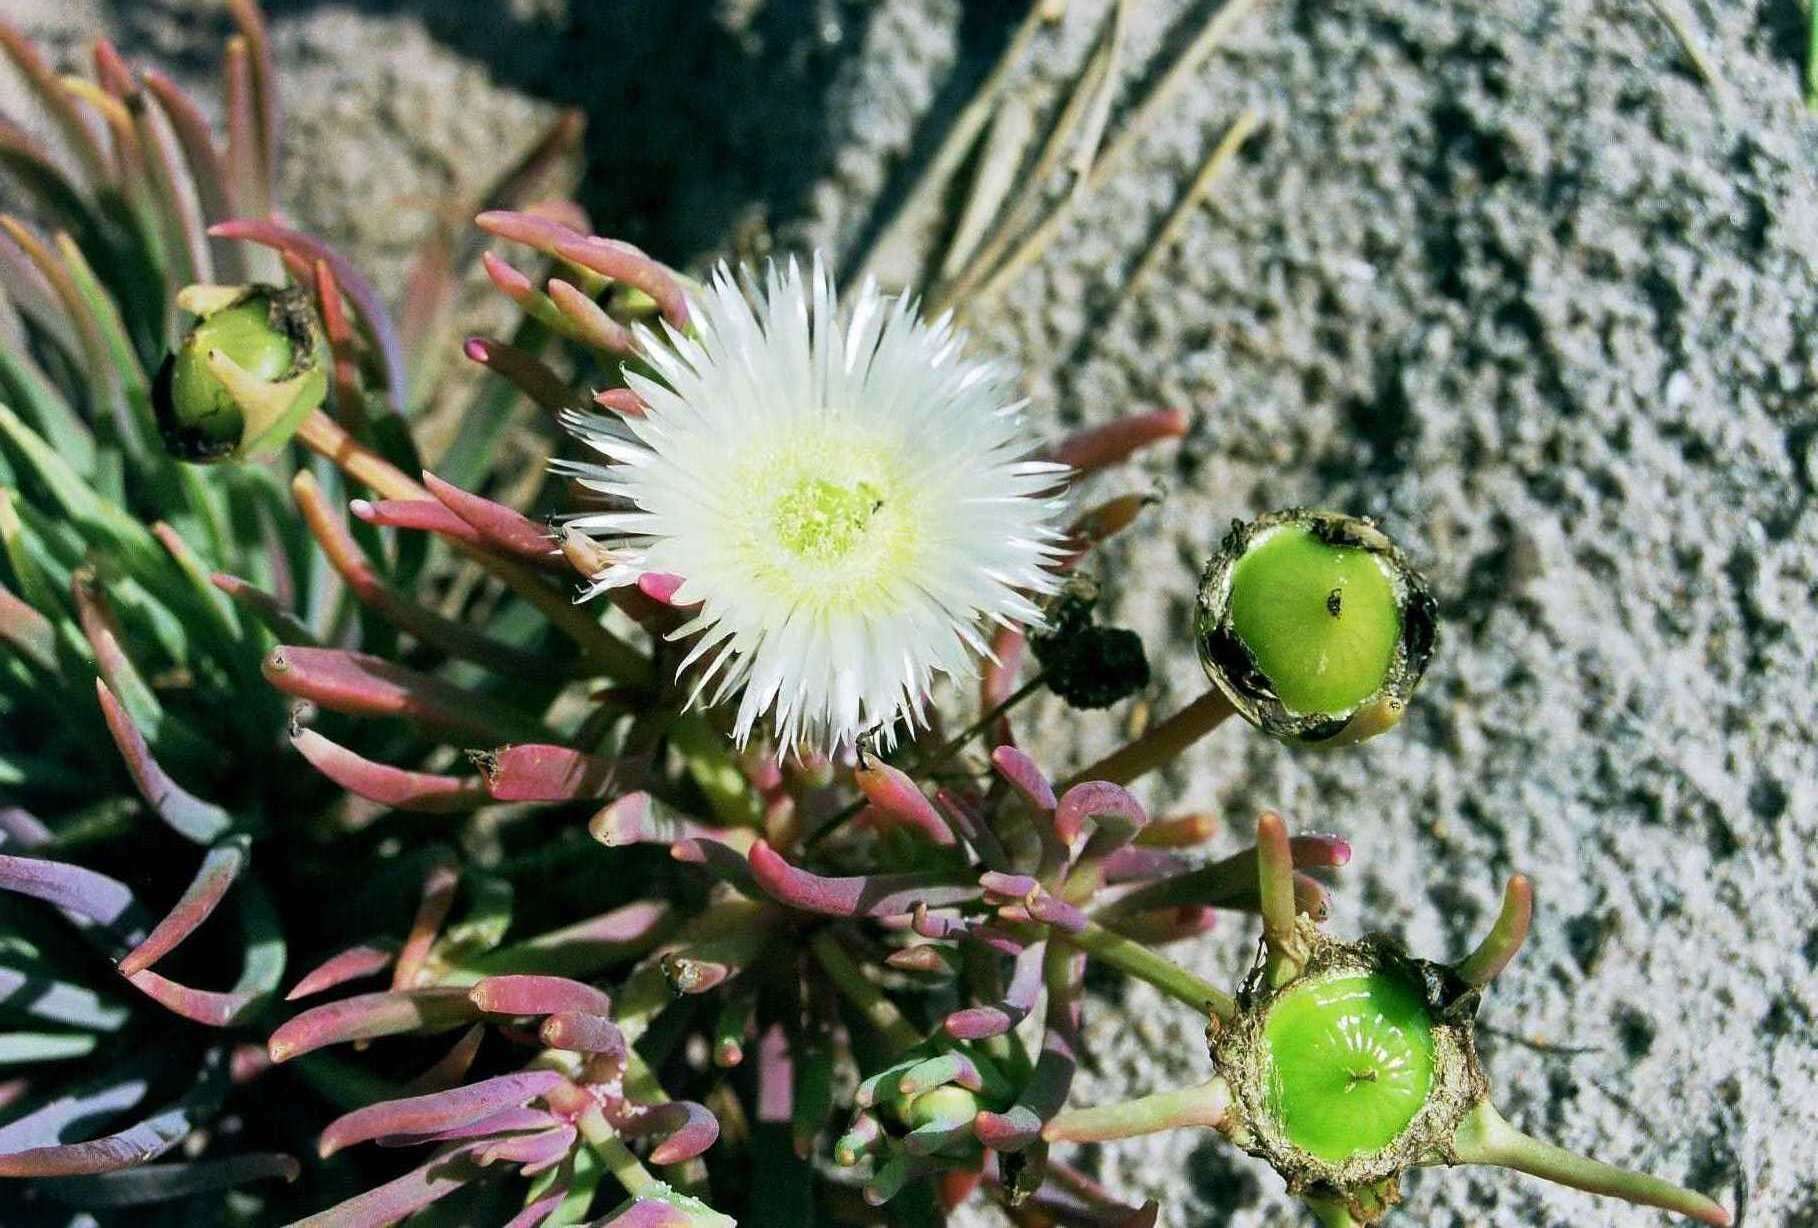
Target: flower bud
point(1315, 626)
point(249, 370)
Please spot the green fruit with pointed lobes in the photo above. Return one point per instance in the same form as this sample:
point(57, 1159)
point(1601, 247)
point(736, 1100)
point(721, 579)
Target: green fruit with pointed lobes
point(1348, 1063)
point(1344, 1064)
point(241, 381)
point(1315, 626)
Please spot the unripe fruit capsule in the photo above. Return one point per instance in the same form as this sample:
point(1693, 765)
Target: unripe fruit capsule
point(1321, 620)
point(268, 344)
point(1314, 625)
point(1352, 1072)
point(1350, 1062)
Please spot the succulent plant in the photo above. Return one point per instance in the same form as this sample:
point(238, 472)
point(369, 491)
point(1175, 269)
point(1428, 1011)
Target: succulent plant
point(582, 941)
point(138, 597)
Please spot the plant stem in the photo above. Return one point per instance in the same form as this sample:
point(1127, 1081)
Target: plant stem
point(952, 746)
point(857, 989)
point(1227, 883)
point(1161, 744)
point(324, 436)
point(1204, 1104)
point(617, 1157)
point(1275, 888)
point(1145, 965)
point(1331, 1213)
point(708, 758)
point(1485, 1138)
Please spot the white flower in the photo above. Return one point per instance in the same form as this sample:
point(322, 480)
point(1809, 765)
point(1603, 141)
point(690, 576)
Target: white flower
point(848, 500)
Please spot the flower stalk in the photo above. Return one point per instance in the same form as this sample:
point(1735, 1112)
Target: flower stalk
point(865, 997)
point(1202, 1105)
point(1484, 1137)
point(1161, 744)
point(1139, 961)
point(624, 1166)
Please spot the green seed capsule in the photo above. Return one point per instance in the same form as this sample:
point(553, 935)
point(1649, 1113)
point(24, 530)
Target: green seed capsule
point(1350, 1063)
point(1352, 1072)
point(1345, 1064)
point(205, 412)
point(246, 374)
point(1320, 620)
point(1314, 625)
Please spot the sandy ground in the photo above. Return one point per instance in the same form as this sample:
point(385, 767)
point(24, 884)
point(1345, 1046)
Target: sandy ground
point(1511, 278)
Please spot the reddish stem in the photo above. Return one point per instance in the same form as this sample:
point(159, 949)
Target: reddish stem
point(1163, 743)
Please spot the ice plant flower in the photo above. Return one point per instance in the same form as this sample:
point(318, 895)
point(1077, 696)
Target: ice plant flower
point(847, 497)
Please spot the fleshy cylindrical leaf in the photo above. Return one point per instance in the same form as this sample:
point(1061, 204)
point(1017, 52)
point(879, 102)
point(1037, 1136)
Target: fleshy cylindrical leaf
point(891, 791)
point(205, 892)
point(438, 1110)
point(874, 895)
point(538, 995)
point(362, 685)
point(535, 772)
point(85, 893)
point(688, 1130)
point(1101, 446)
point(366, 959)
point(369, 1016)
point(399, 788)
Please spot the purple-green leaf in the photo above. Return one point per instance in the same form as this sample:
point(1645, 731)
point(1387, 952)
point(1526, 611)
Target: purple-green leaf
point(870, 895)
point(147, 1183)
point(186, 814)
point(372, 1015)
point(220, 867)
point(91, 896)
point(398, 788)
point(538, 995)
point(444, 1110)
point(402, 1196)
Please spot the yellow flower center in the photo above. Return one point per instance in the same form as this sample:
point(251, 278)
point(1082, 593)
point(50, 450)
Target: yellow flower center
point(825, 519)
point(821, 522)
